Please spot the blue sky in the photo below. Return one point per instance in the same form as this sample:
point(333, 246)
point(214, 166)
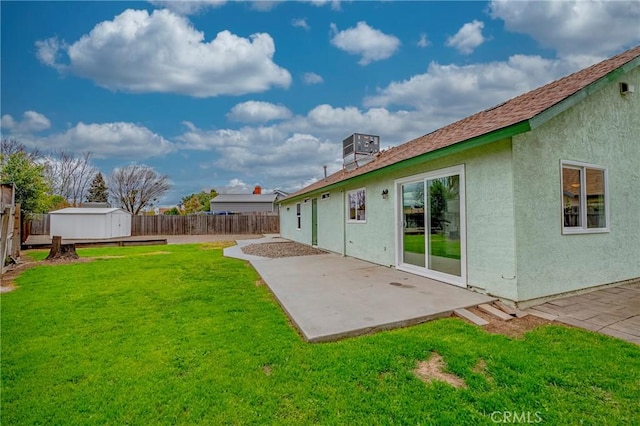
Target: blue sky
point(230, 94)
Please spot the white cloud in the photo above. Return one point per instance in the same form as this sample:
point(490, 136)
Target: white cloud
point(300, 23)
point(110, 140)
point(162, 52)
point(449, 92)
point(236, 186)
point(48, 51)
point(31, 122)
point(336, 123)
point(468, 37)
point(312, 78)
point(370, 43)
point(335, 4)
point(267, 154)
point(258, 112)
point(595, 28)
point(188, 7)
point(424, 41)
point(291, 153)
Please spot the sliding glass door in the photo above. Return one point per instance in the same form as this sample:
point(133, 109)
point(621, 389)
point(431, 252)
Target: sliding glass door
point(413, 230)
point(431, 241)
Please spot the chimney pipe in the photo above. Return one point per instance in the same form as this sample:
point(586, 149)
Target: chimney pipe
point(325, 171)
point(257, 190)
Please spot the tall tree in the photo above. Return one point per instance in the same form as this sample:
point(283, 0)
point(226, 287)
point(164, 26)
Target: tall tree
point(98, 192)
point(70, 175)
point(137, 186)
point(21, 168)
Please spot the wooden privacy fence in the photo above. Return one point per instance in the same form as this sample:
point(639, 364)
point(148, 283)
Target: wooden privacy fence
point(38, 225)
point(205, 224)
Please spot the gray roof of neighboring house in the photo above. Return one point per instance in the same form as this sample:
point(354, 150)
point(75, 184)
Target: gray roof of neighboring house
point(244, 198)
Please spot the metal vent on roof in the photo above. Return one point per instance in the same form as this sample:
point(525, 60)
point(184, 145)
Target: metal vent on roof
point(359, 149)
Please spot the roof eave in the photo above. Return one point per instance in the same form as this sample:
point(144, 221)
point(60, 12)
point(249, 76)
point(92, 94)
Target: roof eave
point(487, 138)
point(581, 94)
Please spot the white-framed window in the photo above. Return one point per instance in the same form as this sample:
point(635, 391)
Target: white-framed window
point(357, 205)
point(298, 216)
point(585, 198)
point(325, 196)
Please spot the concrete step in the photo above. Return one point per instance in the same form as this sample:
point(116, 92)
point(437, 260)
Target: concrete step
point(463, 313)
point(505, 308)
point(543, 315)
point(495, 312)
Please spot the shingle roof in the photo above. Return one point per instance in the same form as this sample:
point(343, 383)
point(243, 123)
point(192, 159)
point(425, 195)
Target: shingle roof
point(514, 111)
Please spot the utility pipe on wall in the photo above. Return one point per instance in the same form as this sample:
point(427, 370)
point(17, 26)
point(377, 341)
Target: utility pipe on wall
point(344, 223)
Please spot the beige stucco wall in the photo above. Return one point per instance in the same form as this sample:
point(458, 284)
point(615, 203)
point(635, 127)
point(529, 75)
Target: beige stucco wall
point(548, 261)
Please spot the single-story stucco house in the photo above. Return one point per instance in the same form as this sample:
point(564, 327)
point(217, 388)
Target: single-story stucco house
point(530, 199)
point(246, 203)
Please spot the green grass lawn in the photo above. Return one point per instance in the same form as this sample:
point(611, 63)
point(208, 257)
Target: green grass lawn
point(181, 335)
point(440, 245)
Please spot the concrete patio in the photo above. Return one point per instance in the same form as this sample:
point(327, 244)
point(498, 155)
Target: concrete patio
point(329, 297)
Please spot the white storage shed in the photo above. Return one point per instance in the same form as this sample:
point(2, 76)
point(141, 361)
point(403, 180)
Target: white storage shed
point(90, 223)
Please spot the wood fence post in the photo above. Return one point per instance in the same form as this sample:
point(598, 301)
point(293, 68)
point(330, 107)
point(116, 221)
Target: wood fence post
point(17, 240)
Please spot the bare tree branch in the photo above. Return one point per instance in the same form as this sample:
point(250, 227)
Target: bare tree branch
point(137, 186)
point(11, 145)
point(70, 175)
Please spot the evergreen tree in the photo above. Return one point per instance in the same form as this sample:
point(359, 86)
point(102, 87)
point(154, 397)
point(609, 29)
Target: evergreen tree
point(98, 192)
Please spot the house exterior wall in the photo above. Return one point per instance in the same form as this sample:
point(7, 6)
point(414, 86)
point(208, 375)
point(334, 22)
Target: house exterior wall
point(331, 222)
point(548, 261)
point(288, 222)
point(490, 218)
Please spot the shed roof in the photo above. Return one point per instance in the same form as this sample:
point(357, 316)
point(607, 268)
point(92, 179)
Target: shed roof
point(519, 110)
point(87, 210)
point(244, 198)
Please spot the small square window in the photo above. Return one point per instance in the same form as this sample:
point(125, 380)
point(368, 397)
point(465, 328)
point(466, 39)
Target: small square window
point(357, 205)
point(584, 198)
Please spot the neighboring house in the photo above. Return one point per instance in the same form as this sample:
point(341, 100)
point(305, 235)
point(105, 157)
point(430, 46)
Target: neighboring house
point(246, 203)
point(535, 197)
point(90, 223)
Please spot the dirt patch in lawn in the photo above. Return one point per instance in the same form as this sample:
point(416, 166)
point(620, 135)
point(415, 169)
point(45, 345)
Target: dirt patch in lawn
point(7, 282)
point(481, 369)
point(515, 327)
point(433, 370)
point(217, 245)
point(281, 249)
